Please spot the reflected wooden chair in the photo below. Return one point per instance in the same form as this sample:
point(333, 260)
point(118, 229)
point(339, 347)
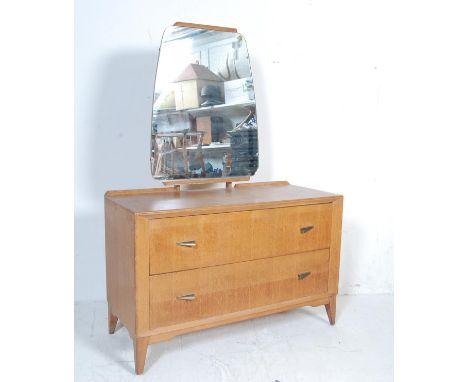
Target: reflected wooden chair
point(167, 148)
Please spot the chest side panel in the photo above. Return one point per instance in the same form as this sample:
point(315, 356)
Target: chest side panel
point(120, 265)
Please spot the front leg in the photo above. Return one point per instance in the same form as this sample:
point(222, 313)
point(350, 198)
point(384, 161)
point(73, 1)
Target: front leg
point(112, 320)
point(140, 346)
point(331, 309)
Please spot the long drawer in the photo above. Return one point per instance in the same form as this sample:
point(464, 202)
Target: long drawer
point(199, 293)
point(205, 240)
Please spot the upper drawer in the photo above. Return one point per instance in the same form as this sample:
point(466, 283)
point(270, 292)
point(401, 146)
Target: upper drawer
point(204, 240)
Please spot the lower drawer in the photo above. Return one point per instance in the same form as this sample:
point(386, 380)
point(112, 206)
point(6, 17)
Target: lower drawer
point(200, 293)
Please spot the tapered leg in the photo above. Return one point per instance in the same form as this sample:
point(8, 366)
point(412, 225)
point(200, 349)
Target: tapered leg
point(112, 320)
point(140, 345)
point(331, 310)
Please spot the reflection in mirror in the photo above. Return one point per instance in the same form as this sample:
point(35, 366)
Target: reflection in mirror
point(204, 122)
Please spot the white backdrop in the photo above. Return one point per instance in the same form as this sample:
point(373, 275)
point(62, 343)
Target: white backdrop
point(321, 73)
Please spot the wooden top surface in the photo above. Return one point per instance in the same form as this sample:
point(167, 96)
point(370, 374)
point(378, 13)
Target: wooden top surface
point(168, 201)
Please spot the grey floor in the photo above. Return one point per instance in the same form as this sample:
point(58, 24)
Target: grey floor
point(295, 346)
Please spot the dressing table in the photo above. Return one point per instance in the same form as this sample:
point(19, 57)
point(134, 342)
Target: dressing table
point(181, 260)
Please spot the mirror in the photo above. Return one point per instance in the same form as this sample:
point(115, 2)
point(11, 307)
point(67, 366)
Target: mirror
point(204, 122)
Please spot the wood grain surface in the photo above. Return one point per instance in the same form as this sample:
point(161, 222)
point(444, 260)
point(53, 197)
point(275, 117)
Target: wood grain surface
point(192, 202)
point(234, 287)
point(237, 236)
point(120, 265)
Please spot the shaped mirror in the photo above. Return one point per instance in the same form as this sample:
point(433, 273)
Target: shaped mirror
point(204, 122)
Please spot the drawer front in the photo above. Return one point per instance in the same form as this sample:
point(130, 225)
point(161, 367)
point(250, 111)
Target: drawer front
point(205, 240)
point(200, 293)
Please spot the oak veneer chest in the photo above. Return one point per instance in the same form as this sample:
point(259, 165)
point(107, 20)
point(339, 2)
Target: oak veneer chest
point(180, 261)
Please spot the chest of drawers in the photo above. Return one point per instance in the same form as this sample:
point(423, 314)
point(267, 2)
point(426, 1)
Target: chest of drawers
point(180, 261)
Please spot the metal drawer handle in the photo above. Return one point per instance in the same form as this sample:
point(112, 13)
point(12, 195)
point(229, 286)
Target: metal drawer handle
point(188, 243)
point(303, 275)
point(187, 297)
point(307, 228)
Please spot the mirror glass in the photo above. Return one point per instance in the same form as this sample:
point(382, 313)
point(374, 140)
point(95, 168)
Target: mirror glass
point(204, 122)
